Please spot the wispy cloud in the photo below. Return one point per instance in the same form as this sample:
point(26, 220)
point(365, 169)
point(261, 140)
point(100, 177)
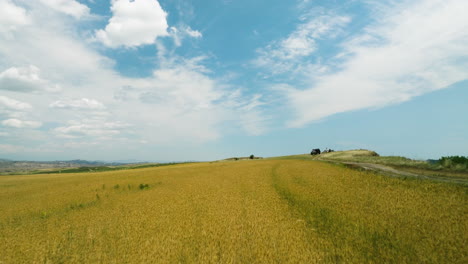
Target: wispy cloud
point(253, 119)
point(83, 103)
point(288, 54)
point(90, 127)
point(180, 100)
point(413, 48)
point(69, 7)
point(183, 31)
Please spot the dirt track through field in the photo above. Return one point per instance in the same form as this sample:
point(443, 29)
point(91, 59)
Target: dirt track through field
point(387, 170)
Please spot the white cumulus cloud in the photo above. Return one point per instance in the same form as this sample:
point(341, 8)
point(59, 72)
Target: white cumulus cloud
point(25, 79)
point(134, 23)
point(12, 16)
point(13, 104)
point(12, 122)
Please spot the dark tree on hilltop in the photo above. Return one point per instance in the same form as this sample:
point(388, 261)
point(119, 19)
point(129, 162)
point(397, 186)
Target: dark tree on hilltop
point(252, 156)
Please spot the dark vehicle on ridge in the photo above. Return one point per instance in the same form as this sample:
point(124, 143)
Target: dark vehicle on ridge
point(315, 152)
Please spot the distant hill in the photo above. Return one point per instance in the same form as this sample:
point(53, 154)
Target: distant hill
point(11, 166)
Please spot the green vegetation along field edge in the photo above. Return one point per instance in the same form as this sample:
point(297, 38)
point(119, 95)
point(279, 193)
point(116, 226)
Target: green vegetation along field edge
point(454, 167)
point(450, 163)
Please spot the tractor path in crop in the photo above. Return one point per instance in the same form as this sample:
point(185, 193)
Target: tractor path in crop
point(387, 170)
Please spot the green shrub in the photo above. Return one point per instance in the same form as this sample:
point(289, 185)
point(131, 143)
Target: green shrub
point(143, 186)
point(454, 162)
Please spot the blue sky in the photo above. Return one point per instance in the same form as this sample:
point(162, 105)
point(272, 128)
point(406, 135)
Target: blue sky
point(203, 80)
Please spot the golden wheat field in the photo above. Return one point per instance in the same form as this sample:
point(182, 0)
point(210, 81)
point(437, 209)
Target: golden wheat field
point(262, 211)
